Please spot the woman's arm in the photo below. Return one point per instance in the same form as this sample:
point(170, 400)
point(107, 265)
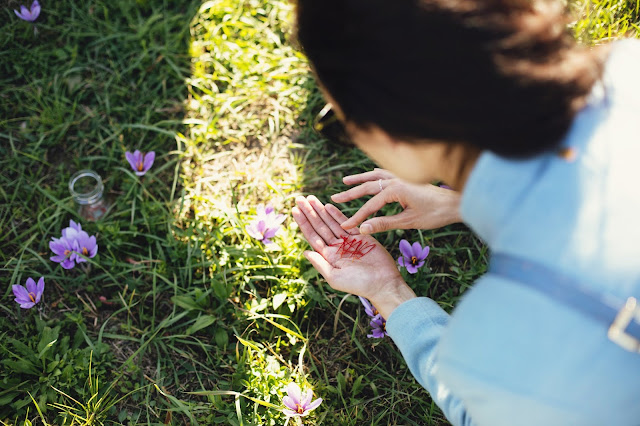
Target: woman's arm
point(363, 267)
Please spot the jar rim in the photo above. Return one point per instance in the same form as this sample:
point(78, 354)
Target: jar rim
point(89, 197)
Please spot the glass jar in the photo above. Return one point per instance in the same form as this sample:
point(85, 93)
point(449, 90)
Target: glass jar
point(86, 189)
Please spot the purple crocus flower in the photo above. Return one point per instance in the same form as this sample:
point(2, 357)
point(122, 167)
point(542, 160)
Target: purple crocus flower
point(266, 225)
point(413, 256)
point(65, 251)
point(378, 324)
point(30, 14)
point(140, 162)
point(74, 246)
point(297, 404)
point(29, 296)
point(378, 327)
point(369, 308)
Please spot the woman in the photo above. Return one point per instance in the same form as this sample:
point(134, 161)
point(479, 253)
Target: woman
point(540, 137)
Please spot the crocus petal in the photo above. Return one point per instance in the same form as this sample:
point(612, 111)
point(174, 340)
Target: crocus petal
point(74, 225)
point(401, 261)
point(31, 285)
point(294, 392)
point(35, 10)
point(67, 264)
point(21, 293)
point(266, 241)
point(411, 269)
point(268, 209)
point(149, 159)
point(425, 253)
point(279, 219)
point(71, 234)
point(315, 404)
point(131, 159)
point(405, 249)
point(94, 247)
point(57, 246)
point(366, 304)
point(420, 264)
point(39, 289)
point(271, 232)
point(27, 305)
point(261, 227)
point(289, 402)
point(416, 249)
point(306, 398)
point(253, 232)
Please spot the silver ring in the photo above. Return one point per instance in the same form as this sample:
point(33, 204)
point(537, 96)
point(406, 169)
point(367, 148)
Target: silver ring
point(380, 183)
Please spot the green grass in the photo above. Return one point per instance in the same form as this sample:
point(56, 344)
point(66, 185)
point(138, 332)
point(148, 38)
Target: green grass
point(182, 317)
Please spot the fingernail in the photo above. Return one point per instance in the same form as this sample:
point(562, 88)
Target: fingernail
point(365, 228)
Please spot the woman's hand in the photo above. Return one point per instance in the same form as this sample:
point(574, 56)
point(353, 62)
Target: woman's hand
point(425, 206)
point(350, 262)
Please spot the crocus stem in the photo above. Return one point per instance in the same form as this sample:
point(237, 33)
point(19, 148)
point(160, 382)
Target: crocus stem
point(86, 268)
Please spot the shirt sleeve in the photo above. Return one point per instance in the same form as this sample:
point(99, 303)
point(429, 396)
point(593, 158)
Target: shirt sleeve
point(416, 326)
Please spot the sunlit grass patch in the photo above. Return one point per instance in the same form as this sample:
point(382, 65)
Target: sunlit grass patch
point(245, 94)
point(599, 21)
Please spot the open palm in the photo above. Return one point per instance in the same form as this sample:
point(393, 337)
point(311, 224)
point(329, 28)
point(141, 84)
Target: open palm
point(349, 261)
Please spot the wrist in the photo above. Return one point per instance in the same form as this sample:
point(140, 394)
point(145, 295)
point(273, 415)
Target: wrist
point(391, 296)
point(453, 210)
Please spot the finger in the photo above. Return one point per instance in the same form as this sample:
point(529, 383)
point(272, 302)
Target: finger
point(320, 263)
point(316, 242)
point(372, 175)
point(383, 223)
point(318, 224)
point(328, 219)
point(369, 208)
point(340, 217)
point(367, 188)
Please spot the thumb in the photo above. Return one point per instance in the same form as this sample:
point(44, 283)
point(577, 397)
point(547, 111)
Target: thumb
point(319, 262)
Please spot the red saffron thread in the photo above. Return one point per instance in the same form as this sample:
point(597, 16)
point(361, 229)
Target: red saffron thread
point(352, 248)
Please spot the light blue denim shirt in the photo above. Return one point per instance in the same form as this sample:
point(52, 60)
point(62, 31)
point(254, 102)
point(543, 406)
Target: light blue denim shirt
point(510, 355)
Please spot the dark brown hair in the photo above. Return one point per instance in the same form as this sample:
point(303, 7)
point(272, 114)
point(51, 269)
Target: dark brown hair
point(502, 75)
